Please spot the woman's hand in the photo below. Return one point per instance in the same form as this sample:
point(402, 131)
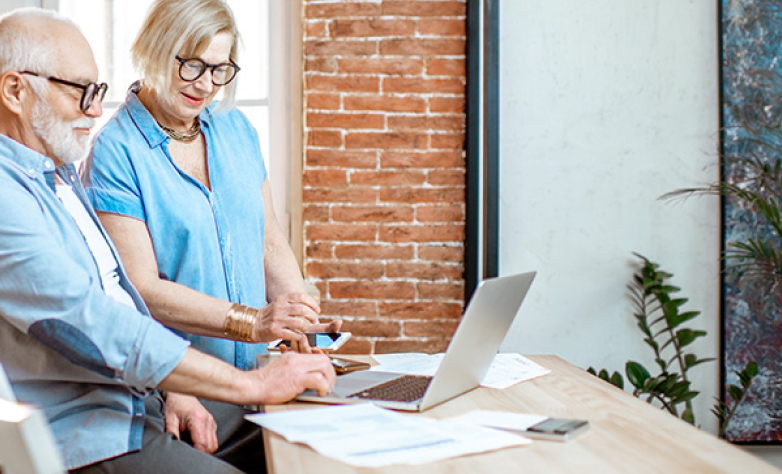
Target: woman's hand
point(289, 317)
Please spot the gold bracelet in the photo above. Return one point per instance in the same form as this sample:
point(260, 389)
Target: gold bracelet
point(239, 322)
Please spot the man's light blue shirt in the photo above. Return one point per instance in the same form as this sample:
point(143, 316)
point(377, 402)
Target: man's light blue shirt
point(87, 360)
point(210, 240)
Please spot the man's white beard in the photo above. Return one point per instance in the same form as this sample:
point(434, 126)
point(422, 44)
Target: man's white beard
point(58, 135)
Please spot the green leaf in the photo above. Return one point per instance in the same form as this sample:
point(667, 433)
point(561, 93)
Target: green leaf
point(636, 374)
point(617, 380)
point(652, 384)
point(689, 315)
point(691, 360)
point(751, 369)
point(651, 342)
point(735, 392)
point(687, 397)
point(669, 383)
point(678, 389)
point(687, 336)
point(688, 416)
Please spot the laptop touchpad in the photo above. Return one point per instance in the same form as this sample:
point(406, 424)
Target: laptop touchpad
point(356, 381)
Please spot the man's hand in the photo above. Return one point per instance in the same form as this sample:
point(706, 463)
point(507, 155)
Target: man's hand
point(185, 413)
point(289, 375)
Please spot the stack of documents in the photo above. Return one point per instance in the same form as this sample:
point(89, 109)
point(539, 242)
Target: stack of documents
point(506, 370)
point(369, 436)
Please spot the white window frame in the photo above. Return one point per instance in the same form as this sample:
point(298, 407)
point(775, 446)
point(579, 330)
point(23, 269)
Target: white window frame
point(285, 118)
point(285, 106)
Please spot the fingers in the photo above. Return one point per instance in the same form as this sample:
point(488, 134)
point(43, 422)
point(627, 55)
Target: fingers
point(297, 339)
point(185, 413)
point(321, 384)
point(332, 326)
point(320, 376)
point(335, 326)
point(203, 433)
point(308, 307)
point(301, 345)
point(305, 299)
point(282, 319)
point(291, 374)
point(172, 425)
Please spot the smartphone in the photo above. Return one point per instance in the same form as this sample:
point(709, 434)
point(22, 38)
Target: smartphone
point(327, 341)
point(343, 366)
point(559, 429)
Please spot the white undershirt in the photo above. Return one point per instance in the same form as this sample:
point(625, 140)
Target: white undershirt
point(107, 264)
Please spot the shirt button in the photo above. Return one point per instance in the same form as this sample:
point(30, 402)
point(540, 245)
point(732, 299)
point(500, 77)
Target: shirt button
point(47, 164)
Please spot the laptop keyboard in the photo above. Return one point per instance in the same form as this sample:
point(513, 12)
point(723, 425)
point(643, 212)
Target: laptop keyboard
point(407, 388)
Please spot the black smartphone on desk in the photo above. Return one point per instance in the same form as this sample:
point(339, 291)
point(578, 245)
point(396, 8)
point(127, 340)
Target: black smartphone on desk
point(558, 429)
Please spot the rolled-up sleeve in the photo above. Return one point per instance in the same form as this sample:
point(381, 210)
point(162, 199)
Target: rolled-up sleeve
point(49, 290)
point(112, 186)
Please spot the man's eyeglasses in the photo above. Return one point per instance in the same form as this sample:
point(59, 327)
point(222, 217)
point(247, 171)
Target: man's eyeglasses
point(191, 69)
point(90, 92)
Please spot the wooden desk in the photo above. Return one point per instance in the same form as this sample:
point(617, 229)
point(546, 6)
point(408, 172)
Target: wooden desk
point(627, 435)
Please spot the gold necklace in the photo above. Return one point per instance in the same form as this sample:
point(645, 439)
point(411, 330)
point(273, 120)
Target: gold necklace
point(187, 136)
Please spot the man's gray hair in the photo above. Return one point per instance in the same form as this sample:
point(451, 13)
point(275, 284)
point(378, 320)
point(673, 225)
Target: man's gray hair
point(22, 48)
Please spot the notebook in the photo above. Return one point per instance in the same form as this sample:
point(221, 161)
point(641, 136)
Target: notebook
point(469, 355)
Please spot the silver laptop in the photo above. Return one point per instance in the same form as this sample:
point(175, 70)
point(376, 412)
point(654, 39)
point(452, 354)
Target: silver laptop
point(483, 327)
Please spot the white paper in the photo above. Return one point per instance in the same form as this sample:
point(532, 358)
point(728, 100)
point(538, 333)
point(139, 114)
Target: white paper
point(500, 419)
point(506, 370)
point(510, 369)
point(369, 436)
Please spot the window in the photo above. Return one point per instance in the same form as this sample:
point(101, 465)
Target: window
point(267, 65)
point(111, 25)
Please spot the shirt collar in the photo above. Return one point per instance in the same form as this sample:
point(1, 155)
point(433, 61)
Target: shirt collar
point(29, 161)
point(146, 123)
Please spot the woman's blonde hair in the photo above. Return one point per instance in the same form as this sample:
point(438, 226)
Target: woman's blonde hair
point(181, 28)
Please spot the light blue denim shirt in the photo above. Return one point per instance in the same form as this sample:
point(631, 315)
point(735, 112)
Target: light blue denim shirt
point(84, 358)
point(208, 240)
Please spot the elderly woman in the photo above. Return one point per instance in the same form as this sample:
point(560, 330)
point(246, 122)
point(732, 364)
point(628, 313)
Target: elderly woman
point(181, 187)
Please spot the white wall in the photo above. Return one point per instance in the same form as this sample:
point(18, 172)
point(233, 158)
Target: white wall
point(605, 106)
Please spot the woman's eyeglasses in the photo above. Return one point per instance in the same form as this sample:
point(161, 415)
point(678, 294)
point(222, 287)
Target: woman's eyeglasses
point(191, 69)
point(90, 91)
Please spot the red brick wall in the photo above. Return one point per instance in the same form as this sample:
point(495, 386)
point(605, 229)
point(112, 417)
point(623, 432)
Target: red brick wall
point(383, 185)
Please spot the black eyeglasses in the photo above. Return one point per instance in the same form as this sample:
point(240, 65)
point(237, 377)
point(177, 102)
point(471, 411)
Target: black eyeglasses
point(90, 92)
point(191, 69)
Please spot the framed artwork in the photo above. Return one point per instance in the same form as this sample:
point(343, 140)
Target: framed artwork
point(751, 87)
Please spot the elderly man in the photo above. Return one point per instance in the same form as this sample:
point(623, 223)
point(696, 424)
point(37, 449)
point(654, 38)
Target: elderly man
point(75, 337)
